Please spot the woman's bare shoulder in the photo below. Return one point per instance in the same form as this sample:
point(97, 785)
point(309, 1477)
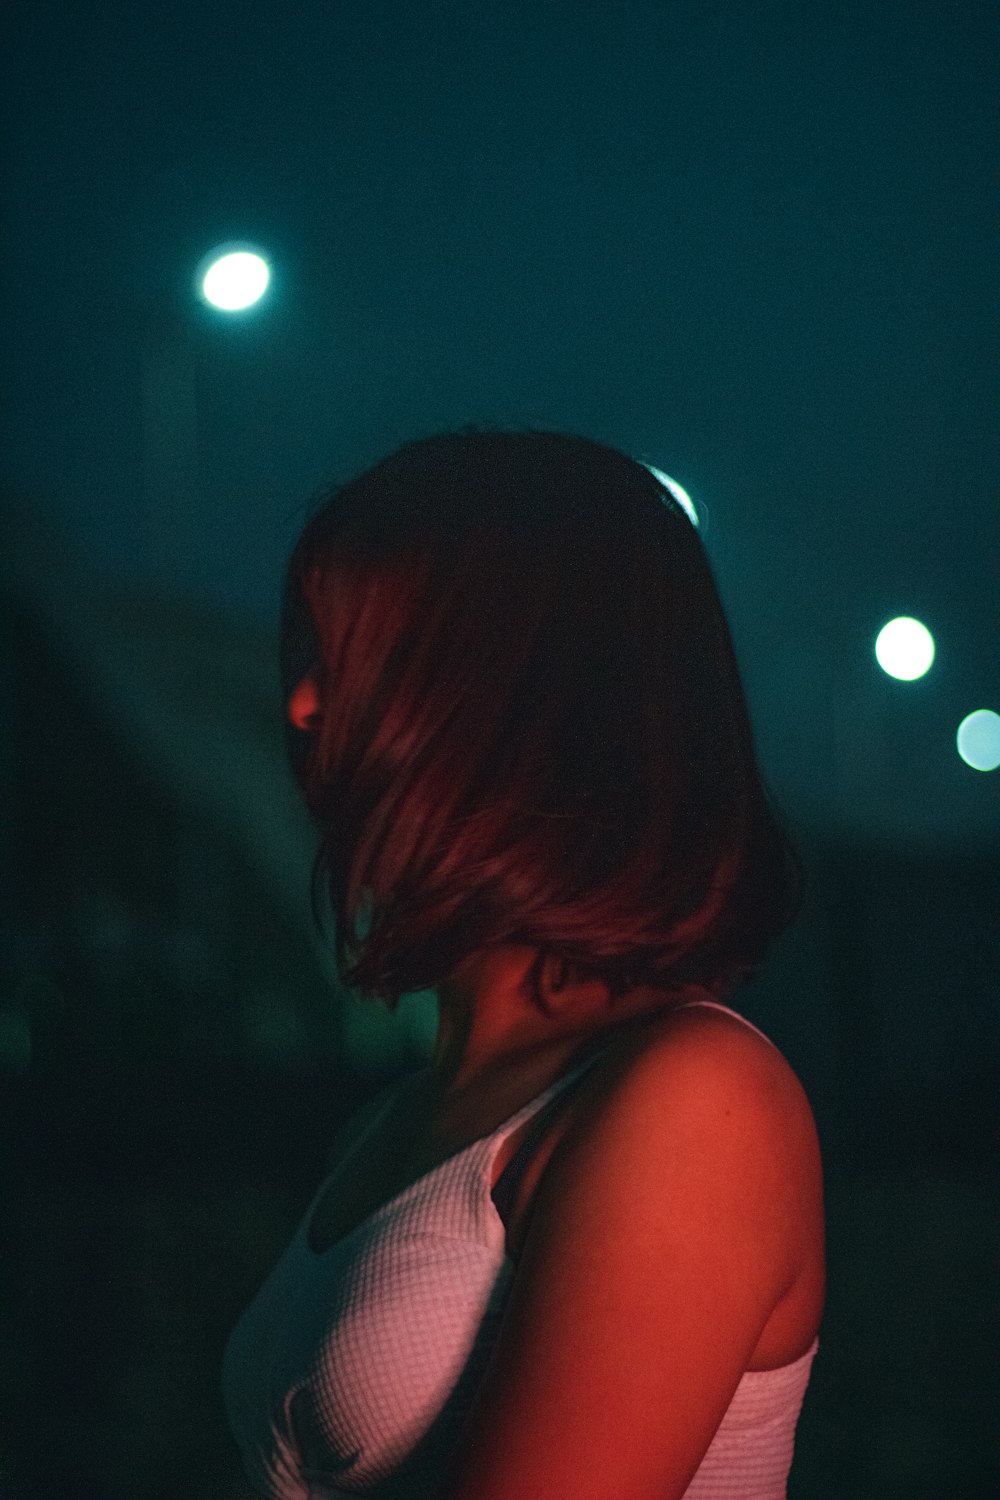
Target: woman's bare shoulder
point(709, 1039)
point(714, 1040)
point(664, 1236)
point(696, 1085)
point(714, 1052)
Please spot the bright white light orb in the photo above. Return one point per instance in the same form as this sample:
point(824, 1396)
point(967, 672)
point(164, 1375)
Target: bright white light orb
point(978, 740)
point(904, 648)
point(234, 279)
point(678, 491)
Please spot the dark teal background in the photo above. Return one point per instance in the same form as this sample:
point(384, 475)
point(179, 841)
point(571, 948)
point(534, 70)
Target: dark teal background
point(754, 245)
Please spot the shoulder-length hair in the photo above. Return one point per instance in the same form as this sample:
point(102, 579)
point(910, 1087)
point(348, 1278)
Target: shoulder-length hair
point(532, 728)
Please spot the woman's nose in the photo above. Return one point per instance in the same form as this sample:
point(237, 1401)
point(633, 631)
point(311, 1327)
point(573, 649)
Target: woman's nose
point(303, 705)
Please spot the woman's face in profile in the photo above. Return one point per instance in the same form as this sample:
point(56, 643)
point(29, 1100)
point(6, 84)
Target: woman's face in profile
point(302, 710)
point(302, 721)
point(300, 681)
point(302, 707)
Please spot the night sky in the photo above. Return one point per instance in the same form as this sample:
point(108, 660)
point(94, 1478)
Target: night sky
point(752, 244)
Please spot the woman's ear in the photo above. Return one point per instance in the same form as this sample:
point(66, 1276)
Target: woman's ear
point(557, 985)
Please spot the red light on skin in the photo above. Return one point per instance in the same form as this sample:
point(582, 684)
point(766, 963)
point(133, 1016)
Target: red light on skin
point(303, 704)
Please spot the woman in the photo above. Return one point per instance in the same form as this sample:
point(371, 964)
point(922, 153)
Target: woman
point(580, 1254)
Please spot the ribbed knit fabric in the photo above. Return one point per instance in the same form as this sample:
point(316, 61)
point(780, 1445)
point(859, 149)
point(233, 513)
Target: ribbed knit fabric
point(352, 1371)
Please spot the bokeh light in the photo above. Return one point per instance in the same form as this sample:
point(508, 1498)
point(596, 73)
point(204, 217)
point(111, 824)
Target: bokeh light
point(904, 648)
point(678, 491)
point(233, 279)
point(978, 740)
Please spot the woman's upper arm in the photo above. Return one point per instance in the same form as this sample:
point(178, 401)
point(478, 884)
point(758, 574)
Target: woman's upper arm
point(661, 1239)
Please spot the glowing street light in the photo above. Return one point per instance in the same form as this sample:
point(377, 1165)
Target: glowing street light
point(904, 649)
point(678, 491)
point(232, 278)
point(978, 740)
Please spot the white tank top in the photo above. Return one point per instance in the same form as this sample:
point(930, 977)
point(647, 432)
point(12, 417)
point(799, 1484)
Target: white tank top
point(353, 1370)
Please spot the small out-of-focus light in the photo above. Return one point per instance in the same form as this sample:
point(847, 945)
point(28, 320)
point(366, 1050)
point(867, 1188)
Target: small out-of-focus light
point(978, 740)
point(678, 491)
point(904, 648)
point(232, 279)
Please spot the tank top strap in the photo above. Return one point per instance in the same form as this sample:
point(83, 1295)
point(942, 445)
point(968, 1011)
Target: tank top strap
point(505, 1188)
point(716, 1005)
point(540, 1101)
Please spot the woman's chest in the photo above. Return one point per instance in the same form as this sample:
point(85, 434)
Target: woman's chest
point(392, 1158)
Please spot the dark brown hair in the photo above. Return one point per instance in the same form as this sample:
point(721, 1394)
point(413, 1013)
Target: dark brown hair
point(532, 727)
